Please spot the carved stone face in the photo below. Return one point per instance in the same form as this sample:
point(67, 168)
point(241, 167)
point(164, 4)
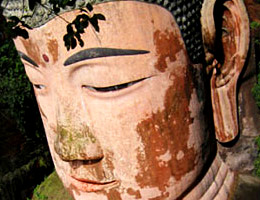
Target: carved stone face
point(127, 124)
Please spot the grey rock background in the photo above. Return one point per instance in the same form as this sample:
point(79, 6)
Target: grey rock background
point(241, 153)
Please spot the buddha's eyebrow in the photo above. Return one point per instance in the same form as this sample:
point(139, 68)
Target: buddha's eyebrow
point(101, 52)
point(25, 57)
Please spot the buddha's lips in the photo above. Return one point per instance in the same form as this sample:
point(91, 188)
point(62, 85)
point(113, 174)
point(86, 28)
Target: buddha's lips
point(91, 186)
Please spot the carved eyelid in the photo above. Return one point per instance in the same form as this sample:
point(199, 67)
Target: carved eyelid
point(114, 87)
point(39, 86)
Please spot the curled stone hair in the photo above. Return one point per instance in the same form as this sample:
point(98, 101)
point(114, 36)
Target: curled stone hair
point(186, 13)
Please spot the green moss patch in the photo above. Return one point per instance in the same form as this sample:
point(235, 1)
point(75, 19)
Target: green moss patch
point(51, 188)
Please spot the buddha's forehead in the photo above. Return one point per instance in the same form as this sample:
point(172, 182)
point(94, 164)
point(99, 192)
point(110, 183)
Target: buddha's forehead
point(121, 29)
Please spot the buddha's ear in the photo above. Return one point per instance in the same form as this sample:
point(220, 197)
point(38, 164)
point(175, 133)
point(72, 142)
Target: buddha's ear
point(225, 30)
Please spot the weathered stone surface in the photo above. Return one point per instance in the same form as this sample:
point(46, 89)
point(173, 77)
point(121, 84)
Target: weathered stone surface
point(164, 133)
point(241, 155)
point(247, 187)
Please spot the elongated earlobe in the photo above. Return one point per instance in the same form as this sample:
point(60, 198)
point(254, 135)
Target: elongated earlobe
point(226, 42)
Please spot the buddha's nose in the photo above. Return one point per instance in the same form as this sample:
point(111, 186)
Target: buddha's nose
point(73, 144)
point(74, 139)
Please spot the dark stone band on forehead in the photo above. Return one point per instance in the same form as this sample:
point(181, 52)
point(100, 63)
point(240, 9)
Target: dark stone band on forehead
point(26, 58)
point(101, 52)
point(185, 12)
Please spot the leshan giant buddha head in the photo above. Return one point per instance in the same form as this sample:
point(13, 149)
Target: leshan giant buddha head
point(125, 114)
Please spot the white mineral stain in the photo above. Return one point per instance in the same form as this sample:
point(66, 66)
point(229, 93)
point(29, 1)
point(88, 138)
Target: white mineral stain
point(149, 193)
point(165, 157)
point(198, 123)
point(180, 155)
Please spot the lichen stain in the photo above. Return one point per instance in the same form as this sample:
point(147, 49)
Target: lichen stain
point(167, 45)
point(71, 142)
point(113, 194)
point(53, 49)
point(33, 51)
point(172, 134)
point(134, 193)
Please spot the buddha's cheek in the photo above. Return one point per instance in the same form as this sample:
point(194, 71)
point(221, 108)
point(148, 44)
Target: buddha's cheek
point(169, 160)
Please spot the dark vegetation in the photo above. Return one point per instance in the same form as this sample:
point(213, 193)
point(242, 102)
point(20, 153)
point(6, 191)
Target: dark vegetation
point(23, 147)
point(14, 27)
point(17, 100)
point(255, 26)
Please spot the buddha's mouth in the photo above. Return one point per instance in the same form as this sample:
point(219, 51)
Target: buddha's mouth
point(91, 175)
point(86, 185)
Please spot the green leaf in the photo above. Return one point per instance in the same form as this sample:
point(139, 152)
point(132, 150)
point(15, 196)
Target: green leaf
point(73, 42)
point(14, 20)
point(21, 32)
point(56, 8)
point(255, 25)
point(25, 25)
point(78, 24)
point(32, 4)
point(67, 41)
point(71, 3)
point(94, 22)
point(83, 10)
point(89, 7)
point(85, 21)
point(100, 16)
point(70, 29)
point(63, 3)
point(81, 42)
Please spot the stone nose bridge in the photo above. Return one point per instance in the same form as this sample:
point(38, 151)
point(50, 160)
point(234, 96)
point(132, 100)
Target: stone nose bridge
point(74, 139)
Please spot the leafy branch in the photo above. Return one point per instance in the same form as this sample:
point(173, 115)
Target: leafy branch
point(76, 28)
point(14, 26)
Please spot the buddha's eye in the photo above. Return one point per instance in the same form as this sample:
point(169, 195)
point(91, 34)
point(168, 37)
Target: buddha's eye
point(114, 87)
point(38, 86)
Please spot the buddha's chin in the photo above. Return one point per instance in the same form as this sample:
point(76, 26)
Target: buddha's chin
point(90, 186)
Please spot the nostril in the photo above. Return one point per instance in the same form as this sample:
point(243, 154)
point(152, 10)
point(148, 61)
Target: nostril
point(77, 163)
point(74, 151)
point(90, 162)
